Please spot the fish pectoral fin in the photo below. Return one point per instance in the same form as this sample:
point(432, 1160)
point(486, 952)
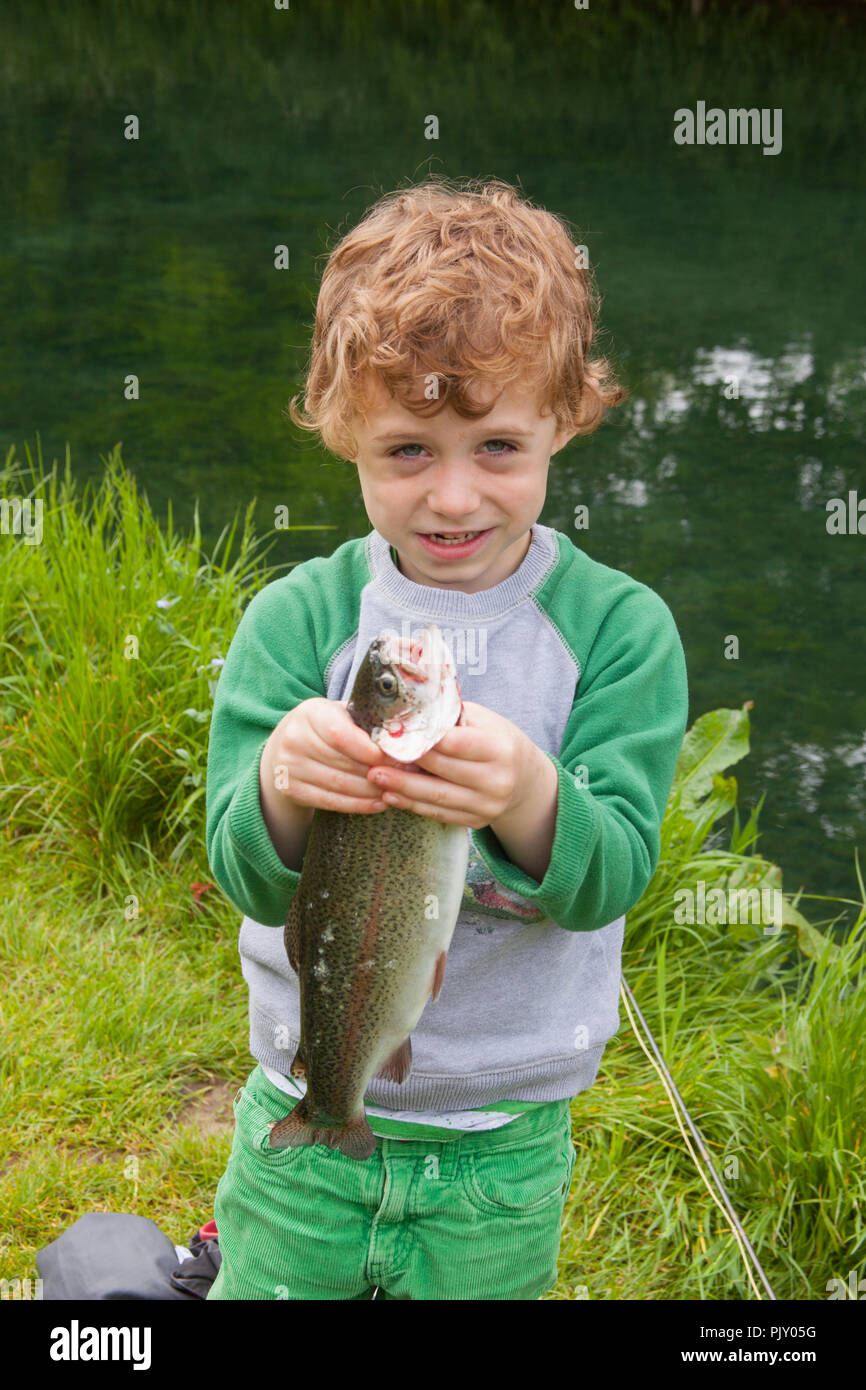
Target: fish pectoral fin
point(292, 935)
point(439, 974)
point(399, 1064)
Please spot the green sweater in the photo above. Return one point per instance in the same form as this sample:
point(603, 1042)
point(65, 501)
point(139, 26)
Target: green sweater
point(585, 660)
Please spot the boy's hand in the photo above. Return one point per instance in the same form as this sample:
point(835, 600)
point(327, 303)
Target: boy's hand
point(482, 770)
point(318, 756)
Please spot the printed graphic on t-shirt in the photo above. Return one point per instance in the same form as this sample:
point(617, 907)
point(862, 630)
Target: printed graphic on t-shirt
point(482, 891)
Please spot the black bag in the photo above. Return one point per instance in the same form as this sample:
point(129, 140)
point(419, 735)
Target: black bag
point(114, 1255)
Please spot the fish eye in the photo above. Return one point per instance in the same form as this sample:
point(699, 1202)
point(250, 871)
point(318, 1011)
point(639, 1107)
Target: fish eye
point(387, 684)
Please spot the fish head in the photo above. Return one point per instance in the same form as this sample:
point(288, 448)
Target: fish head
point(406, 694)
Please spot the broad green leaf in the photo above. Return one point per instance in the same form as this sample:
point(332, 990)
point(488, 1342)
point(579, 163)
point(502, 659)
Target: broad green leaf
point(812, 942)
point(714, 741)
point(722, 800)
point(755, 873)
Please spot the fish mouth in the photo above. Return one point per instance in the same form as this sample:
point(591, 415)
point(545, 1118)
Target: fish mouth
point(411, 672)
point(428, 705)
point(419, 663)
point(413, 660)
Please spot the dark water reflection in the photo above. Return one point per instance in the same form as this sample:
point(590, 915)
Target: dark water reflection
point(733, 287)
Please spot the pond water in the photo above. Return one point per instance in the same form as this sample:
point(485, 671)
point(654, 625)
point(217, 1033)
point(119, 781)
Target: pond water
point(732, 284)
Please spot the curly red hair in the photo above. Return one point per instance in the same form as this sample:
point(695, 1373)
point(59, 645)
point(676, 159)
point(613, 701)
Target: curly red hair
point(458, 281)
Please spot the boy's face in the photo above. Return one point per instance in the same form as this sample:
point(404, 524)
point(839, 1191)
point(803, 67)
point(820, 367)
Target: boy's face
point(449, 474)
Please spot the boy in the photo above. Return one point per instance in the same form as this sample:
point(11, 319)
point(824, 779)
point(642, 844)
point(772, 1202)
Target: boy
point(450, 361)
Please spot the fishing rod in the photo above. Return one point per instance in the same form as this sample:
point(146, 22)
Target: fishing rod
point(677, 1101)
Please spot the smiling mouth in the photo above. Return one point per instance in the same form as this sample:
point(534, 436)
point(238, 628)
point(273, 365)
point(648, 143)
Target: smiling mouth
point(452, 537)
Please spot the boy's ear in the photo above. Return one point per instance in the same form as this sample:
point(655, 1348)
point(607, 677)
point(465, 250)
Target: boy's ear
point(561, 438)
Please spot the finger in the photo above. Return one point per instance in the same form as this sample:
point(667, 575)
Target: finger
point(466, 772)
point(358, 743)
point(325, 799)
point(461, 772)
point(428, 795)
point(329, 779)
point(361, 747)
point(419, 785)
point(346, 783)
point(347, 753)
point(463, 744)
point(448, 815)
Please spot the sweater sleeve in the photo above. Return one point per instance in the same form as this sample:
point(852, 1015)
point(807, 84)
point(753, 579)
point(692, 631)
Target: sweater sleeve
point(271, 666)
point(615, 769)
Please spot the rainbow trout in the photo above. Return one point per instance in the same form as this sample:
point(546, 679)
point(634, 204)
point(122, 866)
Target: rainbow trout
point(369, 927)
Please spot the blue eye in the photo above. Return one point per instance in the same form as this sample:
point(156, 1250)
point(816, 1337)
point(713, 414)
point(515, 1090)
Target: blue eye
point(401, 451)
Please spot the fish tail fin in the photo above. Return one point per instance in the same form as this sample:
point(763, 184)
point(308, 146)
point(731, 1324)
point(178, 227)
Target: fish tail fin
point(355, 1139)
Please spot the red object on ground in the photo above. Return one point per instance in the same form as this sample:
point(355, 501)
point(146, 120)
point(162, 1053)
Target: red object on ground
point(198, 889)
point(208, 1231)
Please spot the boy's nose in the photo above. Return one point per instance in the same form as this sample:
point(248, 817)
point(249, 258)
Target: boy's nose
point(453, 495)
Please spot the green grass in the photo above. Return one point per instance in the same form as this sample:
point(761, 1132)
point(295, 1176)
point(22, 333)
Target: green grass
point(123, 994)
point(113, 631)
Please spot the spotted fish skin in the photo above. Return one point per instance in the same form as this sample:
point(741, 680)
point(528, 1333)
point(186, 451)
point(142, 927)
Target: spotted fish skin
point(367, 934)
